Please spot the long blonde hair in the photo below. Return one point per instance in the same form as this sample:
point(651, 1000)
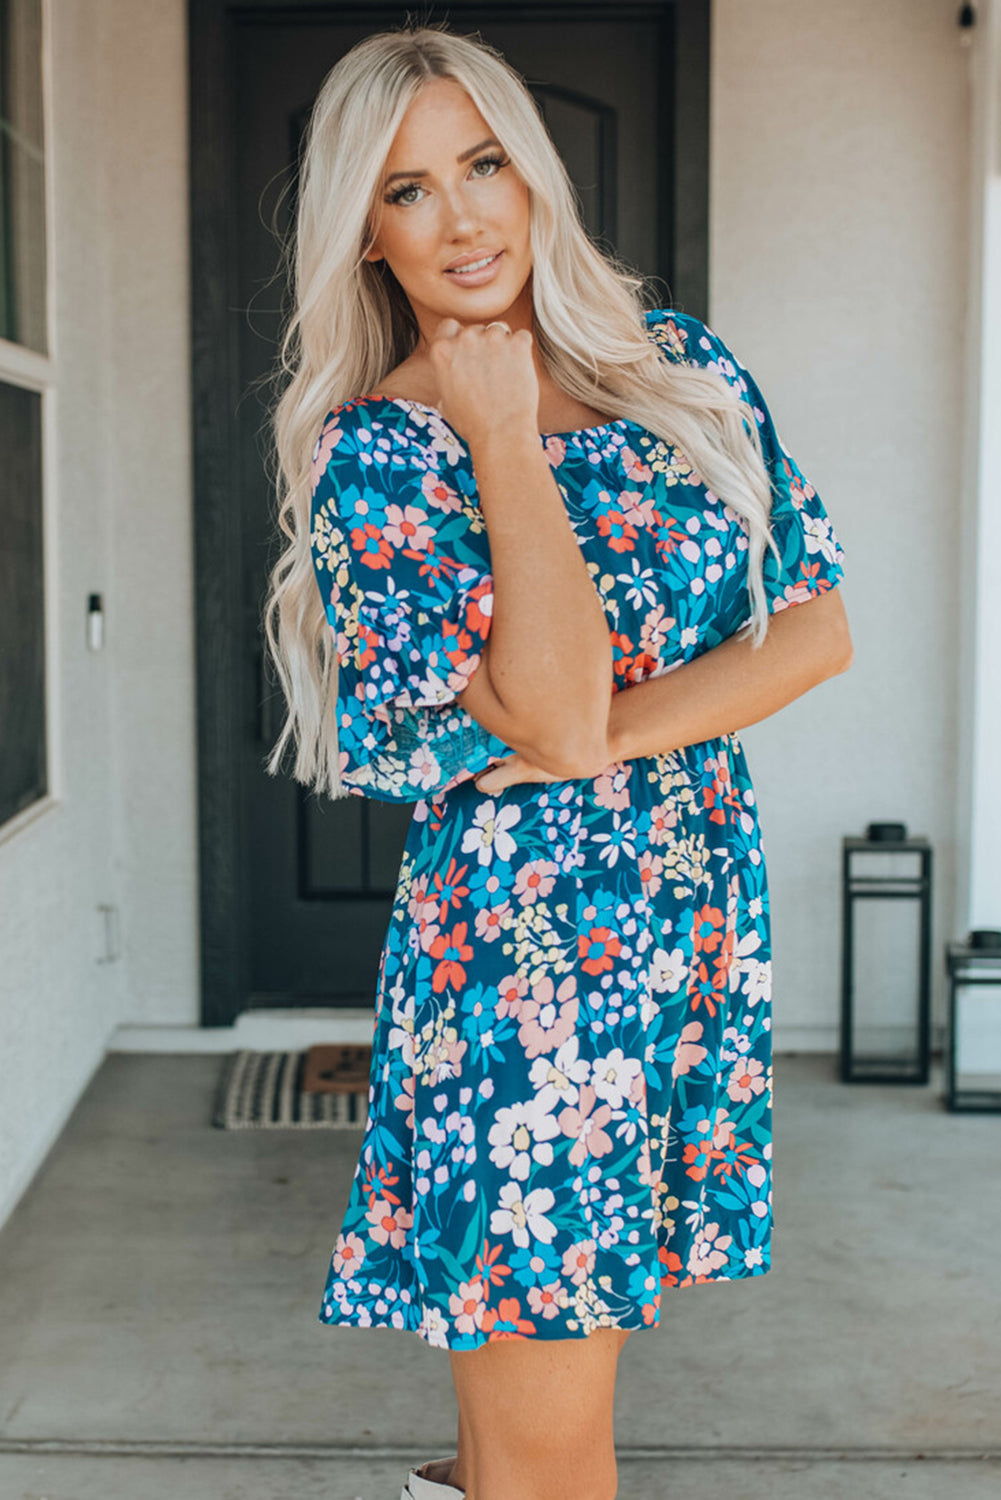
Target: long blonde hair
point(351, 323)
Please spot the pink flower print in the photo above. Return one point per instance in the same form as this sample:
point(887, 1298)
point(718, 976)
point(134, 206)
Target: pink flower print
point(324, 447)
point(656, 629)
point(688, 1054)
point(722, 1130)
point(638, 509)
point(611, 788)
point(578, 1261)
point(389, 1225)
point(663, 821)
point(349, 1252)
point(547, 1299)
point(709, 1251)
point(467, 1305)
point(439, 493)
point(418, 896)
point(547, 1021)
point(649, 868)
point(405, 1099)
point(535, 879)
point(510, 994)
point(747, 1080)
point(491, 921)
point(636, 468)
point(586, 1123)
point(407, 526)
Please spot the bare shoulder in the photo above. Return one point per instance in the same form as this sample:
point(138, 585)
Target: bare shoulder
point(410, 381)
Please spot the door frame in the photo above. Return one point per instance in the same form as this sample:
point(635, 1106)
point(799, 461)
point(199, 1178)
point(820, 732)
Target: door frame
point(682, 265)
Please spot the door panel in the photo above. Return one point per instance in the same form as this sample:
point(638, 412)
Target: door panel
point(311, 881)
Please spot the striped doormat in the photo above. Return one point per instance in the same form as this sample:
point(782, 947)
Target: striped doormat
point(264, 1091)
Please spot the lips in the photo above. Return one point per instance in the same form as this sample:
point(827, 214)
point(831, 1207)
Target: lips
point(471, 260)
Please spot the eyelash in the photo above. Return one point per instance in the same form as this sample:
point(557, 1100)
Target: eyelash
point(406, 187)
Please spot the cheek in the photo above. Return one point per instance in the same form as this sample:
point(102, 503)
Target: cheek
point(410, 241)
point(514, 206)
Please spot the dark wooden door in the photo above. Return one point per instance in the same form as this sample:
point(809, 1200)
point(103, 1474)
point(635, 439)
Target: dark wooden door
point(296, 891)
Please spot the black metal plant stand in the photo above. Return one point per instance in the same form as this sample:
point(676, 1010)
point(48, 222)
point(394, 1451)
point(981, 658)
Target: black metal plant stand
point(883, 839)
point(974, 964)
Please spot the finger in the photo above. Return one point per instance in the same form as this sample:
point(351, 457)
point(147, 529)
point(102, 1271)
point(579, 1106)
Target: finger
point(448, 328)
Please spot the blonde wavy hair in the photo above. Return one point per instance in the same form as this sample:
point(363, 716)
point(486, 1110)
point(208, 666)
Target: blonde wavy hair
point(351, 323)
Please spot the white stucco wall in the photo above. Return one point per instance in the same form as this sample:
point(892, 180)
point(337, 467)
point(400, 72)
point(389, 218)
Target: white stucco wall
point(839, 240)
point(122, 831)
point(838, 264)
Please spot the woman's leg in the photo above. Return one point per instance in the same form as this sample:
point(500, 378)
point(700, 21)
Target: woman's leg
point(536, 1418)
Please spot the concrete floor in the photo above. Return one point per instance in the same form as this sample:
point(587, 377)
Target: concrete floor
point(160, 1283)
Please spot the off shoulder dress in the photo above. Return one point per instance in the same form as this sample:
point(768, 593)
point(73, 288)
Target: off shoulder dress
point(570, 1099)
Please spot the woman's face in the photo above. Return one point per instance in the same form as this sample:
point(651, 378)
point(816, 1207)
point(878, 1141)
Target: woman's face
point(448, 193)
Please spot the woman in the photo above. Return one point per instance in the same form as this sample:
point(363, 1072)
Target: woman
point(543, 546)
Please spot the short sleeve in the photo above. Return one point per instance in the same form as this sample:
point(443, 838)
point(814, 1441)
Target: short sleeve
point(401, 558)
point(812, 557)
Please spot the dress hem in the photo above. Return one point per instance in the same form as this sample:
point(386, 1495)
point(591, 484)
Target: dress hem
point(559, 1330)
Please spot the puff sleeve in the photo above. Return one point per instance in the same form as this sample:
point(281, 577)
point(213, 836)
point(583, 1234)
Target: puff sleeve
point(812, 557)
point(401, 558)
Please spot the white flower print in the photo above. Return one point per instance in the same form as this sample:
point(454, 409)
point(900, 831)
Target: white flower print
point(524, 1218)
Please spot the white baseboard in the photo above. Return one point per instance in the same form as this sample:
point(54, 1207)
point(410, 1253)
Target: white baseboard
point(255, 1030)
point(277, 1030)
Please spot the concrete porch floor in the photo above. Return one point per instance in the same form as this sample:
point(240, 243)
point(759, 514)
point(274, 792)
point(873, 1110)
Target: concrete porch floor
point(160, 1283)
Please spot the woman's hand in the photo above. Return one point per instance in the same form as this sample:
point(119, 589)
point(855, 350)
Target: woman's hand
point(485, 377)
point(504, 773)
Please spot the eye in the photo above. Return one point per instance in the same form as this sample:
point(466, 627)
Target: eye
point(399, 193)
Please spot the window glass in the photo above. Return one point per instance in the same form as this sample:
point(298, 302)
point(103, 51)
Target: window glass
point(22, 176)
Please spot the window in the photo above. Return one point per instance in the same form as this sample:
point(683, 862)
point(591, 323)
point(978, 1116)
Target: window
point(25, 381)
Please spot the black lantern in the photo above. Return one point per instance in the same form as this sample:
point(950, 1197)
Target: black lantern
point(974, 1044)
point(886, 888)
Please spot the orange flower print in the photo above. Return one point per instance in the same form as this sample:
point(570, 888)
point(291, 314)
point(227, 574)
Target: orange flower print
point(598, 948)
point(490, 1271)
point(618, 533)
point(379, 1182)
point(373, 549)
point(451, 950)
point(505, 1321)
point(450, 891)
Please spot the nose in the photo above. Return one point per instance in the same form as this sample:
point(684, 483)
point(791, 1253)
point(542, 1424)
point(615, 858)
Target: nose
point(459, 214)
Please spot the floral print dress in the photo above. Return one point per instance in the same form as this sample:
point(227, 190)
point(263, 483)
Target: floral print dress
point(571, 1085)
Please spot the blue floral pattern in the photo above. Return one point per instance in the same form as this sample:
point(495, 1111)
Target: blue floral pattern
point(571, 1087)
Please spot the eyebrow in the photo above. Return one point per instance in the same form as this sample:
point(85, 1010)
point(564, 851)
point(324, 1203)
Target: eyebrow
point(464, 156)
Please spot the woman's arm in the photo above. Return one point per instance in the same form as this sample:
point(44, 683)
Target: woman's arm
point(726, 688)
point(545, 680)
point(732, 684)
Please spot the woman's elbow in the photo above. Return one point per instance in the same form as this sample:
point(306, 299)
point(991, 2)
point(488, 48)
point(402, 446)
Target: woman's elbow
point(571, 757)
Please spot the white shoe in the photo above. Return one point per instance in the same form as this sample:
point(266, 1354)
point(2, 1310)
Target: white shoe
point(418, 1487)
